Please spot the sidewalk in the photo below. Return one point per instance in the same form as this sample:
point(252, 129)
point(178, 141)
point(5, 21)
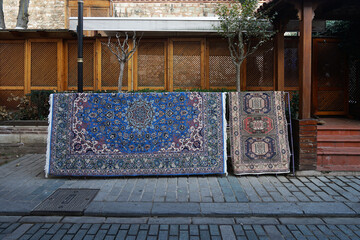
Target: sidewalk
point(23, 187)
point(195, 207)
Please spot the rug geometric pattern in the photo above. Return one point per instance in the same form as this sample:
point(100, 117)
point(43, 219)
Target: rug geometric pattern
point(258, 130)
point(118, 134)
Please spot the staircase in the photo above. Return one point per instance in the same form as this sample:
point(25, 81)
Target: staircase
point(338, 145)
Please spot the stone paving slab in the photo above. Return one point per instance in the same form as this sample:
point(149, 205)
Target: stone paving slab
point(180, 228)
point(23, 186)
point(119, 209)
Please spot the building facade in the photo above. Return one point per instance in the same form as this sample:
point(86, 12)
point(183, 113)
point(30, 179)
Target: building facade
point(179, 50)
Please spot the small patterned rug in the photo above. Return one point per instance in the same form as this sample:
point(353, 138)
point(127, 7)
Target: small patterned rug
point(119, 134)
point(258, 130)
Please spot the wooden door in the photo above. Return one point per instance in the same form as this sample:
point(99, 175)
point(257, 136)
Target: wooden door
point(330, 82)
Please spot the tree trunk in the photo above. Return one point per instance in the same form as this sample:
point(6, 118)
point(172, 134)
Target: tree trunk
point(121, 74)
point(2, 20)
point(23, 16)
point(238, 77)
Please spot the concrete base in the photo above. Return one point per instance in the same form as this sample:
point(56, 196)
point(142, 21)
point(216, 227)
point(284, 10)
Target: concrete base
point(23, 134)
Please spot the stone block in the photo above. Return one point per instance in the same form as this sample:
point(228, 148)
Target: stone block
point(179, 209)
point(34, 138)
point(10, 138)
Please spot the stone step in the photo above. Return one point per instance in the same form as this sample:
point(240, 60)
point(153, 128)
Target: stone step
point(346, 151)
point(338, 159)
point(339, 127)
point(338, 141)
point(337, 131)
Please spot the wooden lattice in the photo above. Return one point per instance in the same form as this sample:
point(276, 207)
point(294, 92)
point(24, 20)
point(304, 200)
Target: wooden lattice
point(88, 56)
point(187, 64)
point(331, 65)
point(44, 64)
point(331, 101)
point(5, 94)
point(12, 64)
point(260, 67)
point(354, 81)
point(99, 12)
point(110, 69)
point(151, 64)
point(291, 62)
point(222, 72)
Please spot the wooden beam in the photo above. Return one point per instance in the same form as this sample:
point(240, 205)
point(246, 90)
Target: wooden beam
point(135, 70)
point(60, 66)
point(91, 3)
point(207, 64)
point(66, 66)
point(130, 86)
point(203, 63)
point(243, 76)
point(305, 59)
point(170, 85)
point(11, 88)
point(166, 65)
point(98, 65)
point(94, 65)
point(27, 76)
point(279, 59)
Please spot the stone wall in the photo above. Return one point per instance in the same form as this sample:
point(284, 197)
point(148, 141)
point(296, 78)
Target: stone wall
point(23, 134)
point(166, 8)
point(44, 14)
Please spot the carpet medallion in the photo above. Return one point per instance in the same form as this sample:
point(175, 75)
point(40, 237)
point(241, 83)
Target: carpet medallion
point(116, 134)
point(258, 130)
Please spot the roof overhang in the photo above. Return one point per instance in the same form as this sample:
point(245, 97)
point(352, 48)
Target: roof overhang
point(198, 25)
point(109, 24)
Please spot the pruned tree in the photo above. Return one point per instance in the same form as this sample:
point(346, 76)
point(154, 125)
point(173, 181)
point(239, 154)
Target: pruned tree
point(23, 15)
point(245, 30)
point(2, 20)
point(121, 49)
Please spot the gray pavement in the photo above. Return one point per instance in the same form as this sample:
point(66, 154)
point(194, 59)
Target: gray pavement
point(194, 207)
point(30, 227)
point(23, 186)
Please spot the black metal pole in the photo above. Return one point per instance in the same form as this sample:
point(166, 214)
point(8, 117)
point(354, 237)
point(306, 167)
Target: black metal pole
point(80, 45)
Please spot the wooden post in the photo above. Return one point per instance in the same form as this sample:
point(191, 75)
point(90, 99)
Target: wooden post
point(305, 59)
point(166, 67)
point(279, 58)
point(203, 64)
point(80, 45)
point(170, 84)
point(98, 46)
point(134, 64)
point(207, 64)
point(66, 66)
point(243, 76)
point(60, 66)
point(130, 85)
point(27, 76)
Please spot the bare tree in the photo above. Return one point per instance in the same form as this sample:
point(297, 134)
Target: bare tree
point(23, 16)
point(123, 53)
point(2, 20)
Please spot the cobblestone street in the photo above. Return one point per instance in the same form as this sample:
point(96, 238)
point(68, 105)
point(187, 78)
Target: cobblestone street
point(178, 228)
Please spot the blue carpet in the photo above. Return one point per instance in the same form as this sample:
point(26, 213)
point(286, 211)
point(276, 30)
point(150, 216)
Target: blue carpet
point(119, 134)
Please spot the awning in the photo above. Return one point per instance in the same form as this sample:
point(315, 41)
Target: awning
point(169, 25)
point(107, 24)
